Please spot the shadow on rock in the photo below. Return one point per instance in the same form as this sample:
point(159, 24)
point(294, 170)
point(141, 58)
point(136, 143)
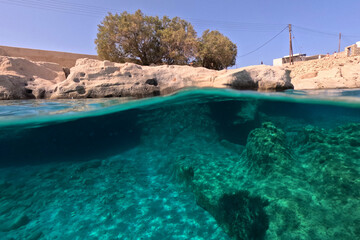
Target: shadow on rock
point(243, 216)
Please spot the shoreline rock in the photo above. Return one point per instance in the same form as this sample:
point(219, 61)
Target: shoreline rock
point(95, 79)
point(326, 73)
point(24, 79)
point(91, 78)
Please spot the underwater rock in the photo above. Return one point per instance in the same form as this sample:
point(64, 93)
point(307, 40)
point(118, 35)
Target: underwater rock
point(9, 225)
point(348, 135)
point(179, 125)
point(4, 186)
point(217, 185)
point(88, 165)
point(277, 190)
point(35, 235)
point(232, 146)
point(184, 174)
point(242, 215)
point(266, 148)
point(235, 119)
point(333, 155)
point(247, 112)
point(292, 180)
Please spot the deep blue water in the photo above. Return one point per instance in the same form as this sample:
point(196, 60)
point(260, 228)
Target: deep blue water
point(199, 164)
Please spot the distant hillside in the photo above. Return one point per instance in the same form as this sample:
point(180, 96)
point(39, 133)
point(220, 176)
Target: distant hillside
point(65, 59)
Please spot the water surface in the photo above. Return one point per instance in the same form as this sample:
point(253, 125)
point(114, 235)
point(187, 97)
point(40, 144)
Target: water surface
point(199, 164)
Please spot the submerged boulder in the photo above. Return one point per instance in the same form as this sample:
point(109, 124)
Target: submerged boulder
point(243, 216)
point(266, 148)
point(334, 158)
point(14, 223)
point(218, 189)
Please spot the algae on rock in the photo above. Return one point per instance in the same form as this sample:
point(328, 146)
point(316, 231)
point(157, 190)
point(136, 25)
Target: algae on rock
point(266, 148)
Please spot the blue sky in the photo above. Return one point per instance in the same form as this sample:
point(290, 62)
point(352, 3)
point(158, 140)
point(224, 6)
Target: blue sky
point(71, 26)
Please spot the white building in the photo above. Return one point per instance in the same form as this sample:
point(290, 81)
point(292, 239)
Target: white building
point(286, 59)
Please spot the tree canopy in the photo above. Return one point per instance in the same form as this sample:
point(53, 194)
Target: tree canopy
point(178, 41)
point(216, 51)
point(129, 36)
point(151, 40)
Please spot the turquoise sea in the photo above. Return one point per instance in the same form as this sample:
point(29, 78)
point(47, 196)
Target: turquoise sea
point(198, 164)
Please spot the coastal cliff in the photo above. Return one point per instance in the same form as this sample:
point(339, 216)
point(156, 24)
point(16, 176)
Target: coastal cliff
point(326, 73)
point(89, 78)
point(24, 79)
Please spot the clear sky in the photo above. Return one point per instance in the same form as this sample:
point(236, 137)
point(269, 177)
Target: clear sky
point(71, 25)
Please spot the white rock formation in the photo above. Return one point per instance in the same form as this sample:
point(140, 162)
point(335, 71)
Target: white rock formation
point(24, 79)
point(21, 79)
point(342, 72)
point(93, 78)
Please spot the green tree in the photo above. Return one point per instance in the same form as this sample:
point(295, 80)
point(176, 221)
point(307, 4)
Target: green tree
point(216, 51)
point(129, 36)
point(106, 42)
point(146, 40)
point(178, 41)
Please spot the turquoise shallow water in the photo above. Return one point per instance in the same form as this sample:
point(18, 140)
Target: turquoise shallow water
point(199, 164)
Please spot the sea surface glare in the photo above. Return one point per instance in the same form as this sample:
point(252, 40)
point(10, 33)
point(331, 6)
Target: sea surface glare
point(199, 164)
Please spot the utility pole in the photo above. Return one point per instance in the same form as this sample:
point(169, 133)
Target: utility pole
point(339, 42)
point(291, 49)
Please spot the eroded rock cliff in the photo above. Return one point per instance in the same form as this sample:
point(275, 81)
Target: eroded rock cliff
point(21, 78)
point(331, 72)
point(24, 79)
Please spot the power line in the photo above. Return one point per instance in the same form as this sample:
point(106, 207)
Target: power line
point(316, 31)
point(264, 43)
point(246, 26)
point(47, 7)
point(80, 5)
point(322, 32)
point(74, 7)
point(60, 5)
point(348, 40)
point(94, 11)
point(301, 50)
point(97, 11)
